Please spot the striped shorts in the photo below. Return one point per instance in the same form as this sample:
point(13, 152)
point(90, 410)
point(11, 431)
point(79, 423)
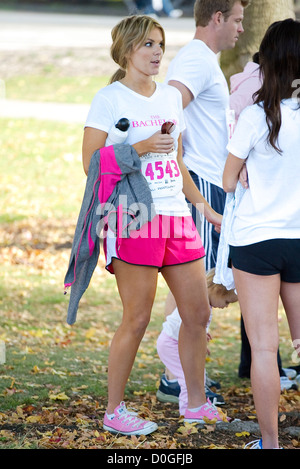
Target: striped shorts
point(216, 197)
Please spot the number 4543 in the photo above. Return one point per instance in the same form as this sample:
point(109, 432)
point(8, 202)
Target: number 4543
point(159, 170)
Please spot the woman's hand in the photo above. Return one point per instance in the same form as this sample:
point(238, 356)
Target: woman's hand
point(213, 217)
point(243, 177)
point(157, 143)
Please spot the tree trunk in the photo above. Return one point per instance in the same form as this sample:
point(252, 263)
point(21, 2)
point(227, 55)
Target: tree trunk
point(258, 17)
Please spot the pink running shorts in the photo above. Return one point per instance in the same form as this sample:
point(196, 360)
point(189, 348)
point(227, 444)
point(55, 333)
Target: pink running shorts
point(164, 241)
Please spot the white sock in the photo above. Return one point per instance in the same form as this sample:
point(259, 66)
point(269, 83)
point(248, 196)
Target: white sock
point(172, 380)
point(195, 409)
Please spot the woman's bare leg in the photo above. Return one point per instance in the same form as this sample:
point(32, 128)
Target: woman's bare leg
point(137, 288)
point(290, 295)
point(258, 296)
point(187, 282)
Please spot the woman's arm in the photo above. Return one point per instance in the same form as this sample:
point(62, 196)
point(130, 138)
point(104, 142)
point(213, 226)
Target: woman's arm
point(192, 193)
point(92, 140)
point(232, 169)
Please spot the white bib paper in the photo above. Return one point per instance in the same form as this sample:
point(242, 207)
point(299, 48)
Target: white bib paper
point(162, 173)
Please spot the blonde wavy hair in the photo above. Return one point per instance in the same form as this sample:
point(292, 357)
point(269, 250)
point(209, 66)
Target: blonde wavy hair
point(216, 288)
point(128, 34)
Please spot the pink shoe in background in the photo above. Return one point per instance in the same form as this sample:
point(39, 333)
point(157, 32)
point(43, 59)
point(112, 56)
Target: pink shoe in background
point(206, 414)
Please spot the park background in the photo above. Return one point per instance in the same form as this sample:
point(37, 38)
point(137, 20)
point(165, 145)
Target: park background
point(54, 56)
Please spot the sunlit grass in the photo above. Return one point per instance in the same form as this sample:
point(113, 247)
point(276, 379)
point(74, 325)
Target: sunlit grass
point(49, 88)
point(41, 169)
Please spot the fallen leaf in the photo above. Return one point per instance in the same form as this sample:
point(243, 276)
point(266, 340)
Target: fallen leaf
point(241, 434)
point(58, 397)
point(187, 429)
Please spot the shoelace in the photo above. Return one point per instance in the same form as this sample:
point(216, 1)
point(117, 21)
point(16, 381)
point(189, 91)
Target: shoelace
point(217, 412)
point(211, 408)
point(253, 444)
point(256, 444)
point(128, 418)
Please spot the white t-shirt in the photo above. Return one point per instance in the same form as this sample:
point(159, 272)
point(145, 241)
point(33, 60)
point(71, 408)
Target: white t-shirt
point(206, 135)
point(270, 208)
point(146, 116)
point(172, 324)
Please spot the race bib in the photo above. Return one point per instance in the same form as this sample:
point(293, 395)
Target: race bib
point(162, 173)
point(230, 120)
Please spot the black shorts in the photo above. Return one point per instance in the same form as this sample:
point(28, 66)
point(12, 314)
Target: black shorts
point(274, 256)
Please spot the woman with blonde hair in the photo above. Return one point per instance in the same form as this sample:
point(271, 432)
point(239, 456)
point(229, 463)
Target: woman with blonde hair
point(169, 242)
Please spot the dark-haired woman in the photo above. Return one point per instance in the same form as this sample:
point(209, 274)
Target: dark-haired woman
point(265, 235)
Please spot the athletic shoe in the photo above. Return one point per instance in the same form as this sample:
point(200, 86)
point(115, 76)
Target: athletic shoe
point(296, 368)
point(289, 372)
point(286, 384)
point(127, 423)
point(256, 444)
point(207, 413)
point(214, 398)
point(211, 383)
point(168, 391)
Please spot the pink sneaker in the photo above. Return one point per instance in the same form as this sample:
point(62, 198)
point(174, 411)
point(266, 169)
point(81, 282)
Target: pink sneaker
point(127, 423)
point(207, 413)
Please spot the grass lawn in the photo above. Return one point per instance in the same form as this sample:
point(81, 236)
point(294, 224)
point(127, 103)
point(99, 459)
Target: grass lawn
point(53, 88)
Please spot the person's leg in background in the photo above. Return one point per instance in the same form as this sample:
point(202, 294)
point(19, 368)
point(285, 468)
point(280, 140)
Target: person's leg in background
point(260, 312)
point(194, 311)
point(215, 196)
point(167, 349)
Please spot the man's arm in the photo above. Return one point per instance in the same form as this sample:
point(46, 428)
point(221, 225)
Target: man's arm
point(186, 94)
